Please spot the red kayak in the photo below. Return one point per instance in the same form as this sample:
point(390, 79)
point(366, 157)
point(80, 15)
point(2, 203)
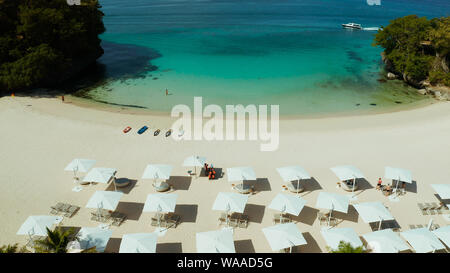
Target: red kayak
point(126, 130)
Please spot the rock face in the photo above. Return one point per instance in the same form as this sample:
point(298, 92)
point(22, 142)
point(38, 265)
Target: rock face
point(391, 76)
point(439, 92)
point(422, 91)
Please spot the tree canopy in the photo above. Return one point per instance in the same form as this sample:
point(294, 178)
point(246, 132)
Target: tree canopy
point(417, 48)
point(44, 42)
point(345, 247)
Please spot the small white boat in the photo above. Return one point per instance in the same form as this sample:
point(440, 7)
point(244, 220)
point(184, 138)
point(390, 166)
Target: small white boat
point(352, 26)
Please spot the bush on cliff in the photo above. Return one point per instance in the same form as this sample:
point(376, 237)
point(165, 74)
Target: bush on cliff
point(416, 47)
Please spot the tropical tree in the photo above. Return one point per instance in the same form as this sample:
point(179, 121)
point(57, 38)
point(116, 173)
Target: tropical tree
point(417, 48)
point(44, 42)
point(13, 249)
point(345, 247)
point(56, 241)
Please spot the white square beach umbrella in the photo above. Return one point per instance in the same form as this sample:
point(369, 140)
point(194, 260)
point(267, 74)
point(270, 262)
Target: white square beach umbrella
point(284, 236)
point(348, 172)
point(373, 212)
point(291, 173)
point(94, 236)
point(194, 161)
point(443, 190)
point(385, 241)
point(240, 174)
point(332, 201)
point(443, 233)
point(161, 202)
point(100, 175)
point(157, 171)
point(285, 203)
point(218, 241)
point(230, 202)
point(80, 165)
point(398, 174)
point(37, 224)
point(334, 236)
point(104, 200)
point(138, 243)
point(422, 240)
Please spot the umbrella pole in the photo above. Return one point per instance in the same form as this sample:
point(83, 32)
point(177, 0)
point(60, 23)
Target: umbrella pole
point(329, 217)
point(298, 186)
point(114, 182)
point(353, 187)
point(379, 226)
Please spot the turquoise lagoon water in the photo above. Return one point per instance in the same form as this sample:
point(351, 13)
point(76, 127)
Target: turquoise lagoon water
point(292, 53)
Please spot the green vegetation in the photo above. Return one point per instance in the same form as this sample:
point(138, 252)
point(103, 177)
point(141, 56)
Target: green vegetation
point(44, 42)
point(55, 242)
point(12, 249)
point(347, 248)
point(417, 48)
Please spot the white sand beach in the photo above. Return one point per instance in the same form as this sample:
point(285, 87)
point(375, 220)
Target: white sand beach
point(40, 136)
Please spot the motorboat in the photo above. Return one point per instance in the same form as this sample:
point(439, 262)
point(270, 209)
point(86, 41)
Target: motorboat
point(352, 26)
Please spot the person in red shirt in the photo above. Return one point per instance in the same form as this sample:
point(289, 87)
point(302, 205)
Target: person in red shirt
point(379, 183)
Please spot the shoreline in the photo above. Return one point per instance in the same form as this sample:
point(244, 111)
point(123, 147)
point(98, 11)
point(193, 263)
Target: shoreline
point(108, 107)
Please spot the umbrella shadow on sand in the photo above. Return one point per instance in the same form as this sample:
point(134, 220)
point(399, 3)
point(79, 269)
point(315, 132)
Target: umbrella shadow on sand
point(409, 187)
point(255, 212)
point(309, 185)
point(244, 246)
point(181, 183)
point(74, 229)
point(113, 245)
point(310, 247)
point(260, 184)
point(132, 210)
point(307, 216)
point(188, 213)
point(169, 248)
point(351, 215)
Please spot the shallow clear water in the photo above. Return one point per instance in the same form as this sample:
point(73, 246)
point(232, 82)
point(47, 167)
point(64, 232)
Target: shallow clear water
point(291, 53)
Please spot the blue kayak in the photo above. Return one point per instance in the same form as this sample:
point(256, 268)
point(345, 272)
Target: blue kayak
point(142, 130)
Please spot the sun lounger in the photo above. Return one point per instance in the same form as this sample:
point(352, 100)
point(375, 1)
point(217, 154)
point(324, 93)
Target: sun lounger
point(223, 218)
point(284, 250)
point(434, 205)
point(172, 219)
point(57, 208)
point(243, 221)
point(71, 211)
point(154, 222)
point(422, 207)
point(118, 219)
point(322, 218)
point(233, 222)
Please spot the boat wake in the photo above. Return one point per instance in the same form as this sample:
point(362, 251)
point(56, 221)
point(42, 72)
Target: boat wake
point(371, 28)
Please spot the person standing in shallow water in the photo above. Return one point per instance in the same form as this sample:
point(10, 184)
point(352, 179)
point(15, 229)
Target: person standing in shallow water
point(167, 92)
